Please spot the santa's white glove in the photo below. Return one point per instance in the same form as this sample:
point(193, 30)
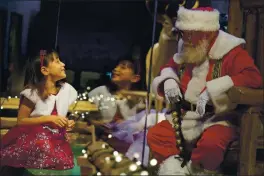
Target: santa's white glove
point(172, 91)
point(201, 103)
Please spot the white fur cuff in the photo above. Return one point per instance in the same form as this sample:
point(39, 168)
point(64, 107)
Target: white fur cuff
point(166, 73)
point(172, 166)
point(193, 134)
point(219, 85)
point(217, 89)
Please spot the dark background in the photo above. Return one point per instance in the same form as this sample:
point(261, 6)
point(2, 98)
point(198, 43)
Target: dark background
point(93, 35)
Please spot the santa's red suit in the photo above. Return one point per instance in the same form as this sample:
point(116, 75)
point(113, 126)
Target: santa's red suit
point(228, 65)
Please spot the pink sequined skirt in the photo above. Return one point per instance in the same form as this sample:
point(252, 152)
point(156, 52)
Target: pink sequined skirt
point(36, 147)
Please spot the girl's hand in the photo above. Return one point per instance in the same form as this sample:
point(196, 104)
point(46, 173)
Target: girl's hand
point(59, 121)
point(70, 125)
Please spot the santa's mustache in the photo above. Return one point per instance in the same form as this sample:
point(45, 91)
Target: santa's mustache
point(195, 54)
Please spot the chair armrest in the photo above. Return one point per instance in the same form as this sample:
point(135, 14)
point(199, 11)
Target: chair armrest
point(249, 131)
point(246, 96)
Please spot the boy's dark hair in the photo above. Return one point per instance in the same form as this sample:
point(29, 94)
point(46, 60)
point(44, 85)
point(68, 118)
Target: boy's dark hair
point(133, 64)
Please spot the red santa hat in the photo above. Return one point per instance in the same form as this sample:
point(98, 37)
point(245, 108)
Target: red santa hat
point(199, 19)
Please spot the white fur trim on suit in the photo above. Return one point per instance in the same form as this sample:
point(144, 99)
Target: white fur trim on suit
point(177, 57)
point(223, 44)
point(172, 166)
point(197, 83)
point(166, 73)
point(188, 19)
point(217, 89)
point(191, 126)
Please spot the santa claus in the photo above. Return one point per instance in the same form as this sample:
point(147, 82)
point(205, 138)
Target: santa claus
point(208, 63)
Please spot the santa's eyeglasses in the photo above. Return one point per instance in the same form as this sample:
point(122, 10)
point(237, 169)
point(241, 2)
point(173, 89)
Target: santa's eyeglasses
point(193, 36)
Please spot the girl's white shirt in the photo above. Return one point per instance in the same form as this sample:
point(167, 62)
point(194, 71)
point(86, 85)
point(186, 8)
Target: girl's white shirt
point(65, 97)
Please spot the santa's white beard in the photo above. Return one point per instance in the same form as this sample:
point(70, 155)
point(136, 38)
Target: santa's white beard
point(195, 55)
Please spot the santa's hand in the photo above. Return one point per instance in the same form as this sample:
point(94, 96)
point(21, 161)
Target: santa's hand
point(201, 103)
point(172, 91)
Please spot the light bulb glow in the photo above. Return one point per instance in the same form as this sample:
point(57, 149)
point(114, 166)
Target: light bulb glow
point(115, 153)
point(98, 173)
point(153, 162)
point(144, 173)
point(110, 136)
point(83, 151)
point(138, 163)
point(136, 155)
point(107, 158)
point(133, 167)
point(118, 159)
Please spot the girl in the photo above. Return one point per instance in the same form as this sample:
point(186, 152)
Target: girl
point(38, 140)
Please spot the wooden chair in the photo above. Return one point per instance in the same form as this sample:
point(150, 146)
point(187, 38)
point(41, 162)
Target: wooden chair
point(243, 152)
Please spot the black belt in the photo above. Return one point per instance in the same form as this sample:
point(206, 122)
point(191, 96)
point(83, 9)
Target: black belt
point(186, 106)
point(192, 107)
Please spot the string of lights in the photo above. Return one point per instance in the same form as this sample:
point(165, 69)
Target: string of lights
point(115, 157)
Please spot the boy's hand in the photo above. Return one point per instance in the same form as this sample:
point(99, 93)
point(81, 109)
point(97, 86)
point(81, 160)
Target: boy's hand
point(70, 125)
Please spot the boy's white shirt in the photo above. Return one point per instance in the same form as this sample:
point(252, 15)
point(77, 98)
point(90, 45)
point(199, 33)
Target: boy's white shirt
point(65, 97)
point(107, 107)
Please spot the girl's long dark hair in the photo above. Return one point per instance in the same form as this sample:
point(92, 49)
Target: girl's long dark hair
point(35, 80)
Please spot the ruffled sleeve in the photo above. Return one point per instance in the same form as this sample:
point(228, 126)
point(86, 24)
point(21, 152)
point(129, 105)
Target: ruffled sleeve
point(30, 94)
point(72, 94)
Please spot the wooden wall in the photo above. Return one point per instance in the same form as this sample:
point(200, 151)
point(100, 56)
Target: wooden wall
point(246, 20)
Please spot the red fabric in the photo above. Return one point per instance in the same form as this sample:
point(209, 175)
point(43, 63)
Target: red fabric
point(36, 147)
point(210, 147)
point(209, 9)
point(240, 66)
point(118, 117)
point(161, 140)
point(213, 144)
point(237, 64)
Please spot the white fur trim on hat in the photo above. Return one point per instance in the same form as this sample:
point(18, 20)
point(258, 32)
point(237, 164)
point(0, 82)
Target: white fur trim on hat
point(197, 20)
point(217, 90)
point(166, 73)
